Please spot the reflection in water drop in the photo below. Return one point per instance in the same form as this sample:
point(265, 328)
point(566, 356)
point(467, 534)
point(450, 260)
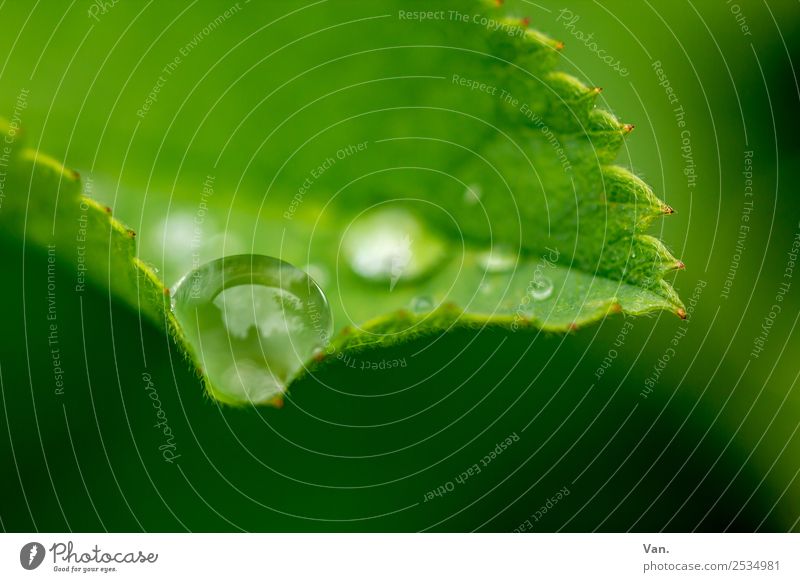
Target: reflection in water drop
point(253, 322)
point(391, 245)
point(541, 288)
point(498, 260)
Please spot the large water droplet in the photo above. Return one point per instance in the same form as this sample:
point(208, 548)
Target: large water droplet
point(253, 322)
point(498, 259)
point(391, 245)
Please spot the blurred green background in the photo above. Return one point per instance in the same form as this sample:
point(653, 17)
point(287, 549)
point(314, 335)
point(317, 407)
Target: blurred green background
point(713, 446)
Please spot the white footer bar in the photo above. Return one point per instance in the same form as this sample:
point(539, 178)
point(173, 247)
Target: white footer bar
point(400, 557)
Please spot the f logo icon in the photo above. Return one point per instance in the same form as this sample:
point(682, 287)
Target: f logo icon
point(31, 555)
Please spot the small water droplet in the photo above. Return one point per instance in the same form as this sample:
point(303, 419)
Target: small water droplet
point(473, 194)
point(391, 245)
point(422, 304)
point(541, 288)
point(253, 322)
point(497, 260)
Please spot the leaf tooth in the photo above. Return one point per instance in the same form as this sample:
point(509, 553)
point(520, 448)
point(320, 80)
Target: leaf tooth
point(600, 120)
point(601, 127)
point(536, 41)
point(623, 186)
point(529, 49)
point(668, 292)
point(565, 105)
point(666, 264)
point(571, 89)
point(653, 262)
point(646, 263)
point(660, 253)
point(670, 266)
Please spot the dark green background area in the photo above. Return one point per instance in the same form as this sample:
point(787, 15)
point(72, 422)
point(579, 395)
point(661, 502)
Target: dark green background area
point(713, 447)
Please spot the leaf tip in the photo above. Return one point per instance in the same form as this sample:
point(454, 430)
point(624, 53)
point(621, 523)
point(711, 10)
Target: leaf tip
point(681, 312)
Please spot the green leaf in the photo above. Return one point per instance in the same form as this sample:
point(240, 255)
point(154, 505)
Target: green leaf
point(457, 131)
